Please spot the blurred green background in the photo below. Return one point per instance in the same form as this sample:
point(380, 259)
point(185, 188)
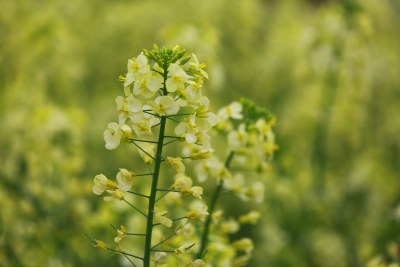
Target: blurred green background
point(329, 71)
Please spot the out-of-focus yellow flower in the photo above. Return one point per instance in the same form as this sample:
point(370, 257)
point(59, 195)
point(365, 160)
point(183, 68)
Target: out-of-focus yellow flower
point(121, 233)
point(238, 139)
point(197, 263)
point(202, 154)
point(150, 152)
point(245, 244)
point(182, 182)
point(255, 192)
point(99, 244)
point(240, 261)
point(160, 257)
point(230, 226)
point(159, 217)
point(250, 218)
point(116, 194)
point(195, 191)
point(176, 164)
point(234, 111)
point(198, 211)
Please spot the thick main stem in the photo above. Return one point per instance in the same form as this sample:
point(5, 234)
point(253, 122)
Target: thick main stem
point(153, 194)
point(156, 173)
point(217, 192)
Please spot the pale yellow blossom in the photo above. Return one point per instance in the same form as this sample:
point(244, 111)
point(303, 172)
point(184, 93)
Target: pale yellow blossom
point(125, 179)
point(102, 183)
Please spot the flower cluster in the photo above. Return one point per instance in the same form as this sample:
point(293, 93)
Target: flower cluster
point(162, 103)
point(250, 145)
point(164, 88)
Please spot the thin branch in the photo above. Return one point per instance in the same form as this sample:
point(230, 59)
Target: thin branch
point(181, 114)
point(144, 151)
point(138, 210)
point(174, 220)
point(126, 257)
point(166, 190)
point(150, 113)
point(172, 136)
point(144, 174)
point(125, 253)
point(160, 250)
point(163, 195)
point(164, 240)
point(138, 194)
point(159, 72)
point(135, 234)
point(144, 141)
point(181, 218)
point(173, 120)
point(155, 125)
point(169, 142)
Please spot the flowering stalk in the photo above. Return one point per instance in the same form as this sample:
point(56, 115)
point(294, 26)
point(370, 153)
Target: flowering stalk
point(168, 89)
point(153, 192)
point(217, 192)
point(247, 129)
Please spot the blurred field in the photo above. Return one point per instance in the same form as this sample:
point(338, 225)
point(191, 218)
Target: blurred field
point(329, 71)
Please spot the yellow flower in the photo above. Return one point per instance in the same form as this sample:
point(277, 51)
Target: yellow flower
point(230, 226)
point(195, 191)
point(160, 257)
point(142, 123)
point(198, 211)
point(124, 179)
point(198, 67)
point(187, 129)
point(251, 218)
point(121, 233)
point(137, 67)
point(202, 154)
point(165, 105)
point(114, 133)
point(245, 244)
point(176, 164)
point(197, 263)
point(99, 244)
point(234, 111)
point(180, 250)
point(255, 192)
point(150, 151)
point(116, 194)
point(177, 78)
point(182, 182)
point(148, 85)
point(102, 183)
point(159, 217)
point(127, 107)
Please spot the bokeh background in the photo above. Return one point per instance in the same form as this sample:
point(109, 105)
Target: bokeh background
point(328, 70)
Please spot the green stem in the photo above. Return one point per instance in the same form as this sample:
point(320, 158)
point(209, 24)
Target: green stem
point(156, 173)
point(153, 193)
point(217, 192)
